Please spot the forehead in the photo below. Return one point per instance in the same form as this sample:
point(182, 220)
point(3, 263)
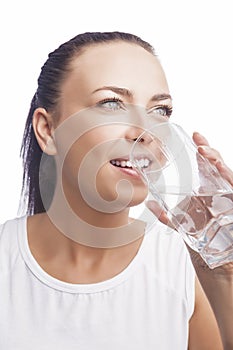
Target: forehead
point(117, 63)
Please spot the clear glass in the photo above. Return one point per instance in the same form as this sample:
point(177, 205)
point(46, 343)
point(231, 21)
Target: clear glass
point(197, 200)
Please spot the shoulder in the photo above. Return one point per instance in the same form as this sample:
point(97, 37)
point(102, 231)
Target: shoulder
point(11, 226)
point(167, 248)
point(9, 236)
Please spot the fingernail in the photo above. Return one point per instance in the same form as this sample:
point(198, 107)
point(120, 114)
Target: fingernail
point(205, 149)
point(219, 163)
point(197, 133)
point(149, 204)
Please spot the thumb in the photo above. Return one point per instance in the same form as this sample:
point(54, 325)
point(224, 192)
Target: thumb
point(159, 212)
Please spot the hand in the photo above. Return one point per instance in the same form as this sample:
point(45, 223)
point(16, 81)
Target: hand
point(213, 156)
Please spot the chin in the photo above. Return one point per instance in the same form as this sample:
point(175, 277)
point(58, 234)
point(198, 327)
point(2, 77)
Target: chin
point(129, 192)
point(139, 196)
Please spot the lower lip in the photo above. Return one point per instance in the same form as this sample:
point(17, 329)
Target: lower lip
point(129, 172)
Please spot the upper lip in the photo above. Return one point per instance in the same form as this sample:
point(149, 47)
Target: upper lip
point(121, 158)
point(141, 156)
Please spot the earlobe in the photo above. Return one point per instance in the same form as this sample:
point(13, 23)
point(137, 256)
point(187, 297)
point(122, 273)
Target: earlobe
point(43, 128)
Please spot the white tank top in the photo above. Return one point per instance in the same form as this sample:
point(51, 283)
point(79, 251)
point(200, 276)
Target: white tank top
point(147, 306)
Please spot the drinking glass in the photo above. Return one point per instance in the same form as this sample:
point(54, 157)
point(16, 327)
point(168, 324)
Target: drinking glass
point(196, 199)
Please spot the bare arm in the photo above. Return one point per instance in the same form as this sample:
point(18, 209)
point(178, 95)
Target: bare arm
point(203, 329)
point(218, 287)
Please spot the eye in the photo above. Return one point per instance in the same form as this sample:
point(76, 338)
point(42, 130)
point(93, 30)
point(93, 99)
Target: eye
point(112, 104)
point(163, 110)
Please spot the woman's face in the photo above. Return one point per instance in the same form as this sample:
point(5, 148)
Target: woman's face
point(111, 90)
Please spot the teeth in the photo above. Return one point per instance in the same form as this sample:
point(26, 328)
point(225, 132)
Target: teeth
point(143, 163)
point(122, 163)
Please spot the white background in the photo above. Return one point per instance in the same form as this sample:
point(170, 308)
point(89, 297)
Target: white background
point(193, 40)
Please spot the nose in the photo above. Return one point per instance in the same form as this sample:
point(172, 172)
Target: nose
point(138, 134)
point(139, 122)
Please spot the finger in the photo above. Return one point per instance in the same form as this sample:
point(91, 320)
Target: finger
point(215, 158)
point(225, 171)
point(205, 150)
point(200, 139)
point(210, 153)
point(155, 208)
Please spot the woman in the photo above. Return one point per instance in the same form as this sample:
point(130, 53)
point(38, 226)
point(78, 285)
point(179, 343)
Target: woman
point(76, 272)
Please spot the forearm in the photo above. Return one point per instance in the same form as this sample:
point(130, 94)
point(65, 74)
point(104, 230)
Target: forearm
point(218, 287)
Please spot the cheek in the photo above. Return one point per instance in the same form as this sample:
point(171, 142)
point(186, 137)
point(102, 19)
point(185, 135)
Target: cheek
point(72, 154)
point(85, 169)
point(106, 183)
point(100, 187)
point(70, 164)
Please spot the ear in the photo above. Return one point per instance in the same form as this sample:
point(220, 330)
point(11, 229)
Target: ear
point(43, 128)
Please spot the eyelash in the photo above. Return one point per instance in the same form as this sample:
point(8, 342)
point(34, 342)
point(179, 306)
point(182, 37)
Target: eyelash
point(167, 108)
point(112, 99)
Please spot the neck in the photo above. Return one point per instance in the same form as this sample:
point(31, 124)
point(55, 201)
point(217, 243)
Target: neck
point(70, 261)
point(93, 211)
point(89, 227)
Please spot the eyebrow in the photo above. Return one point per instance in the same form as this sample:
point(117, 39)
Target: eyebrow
point(127, 93)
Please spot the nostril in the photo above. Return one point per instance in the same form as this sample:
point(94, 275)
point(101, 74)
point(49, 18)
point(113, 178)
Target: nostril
point(139, 140)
